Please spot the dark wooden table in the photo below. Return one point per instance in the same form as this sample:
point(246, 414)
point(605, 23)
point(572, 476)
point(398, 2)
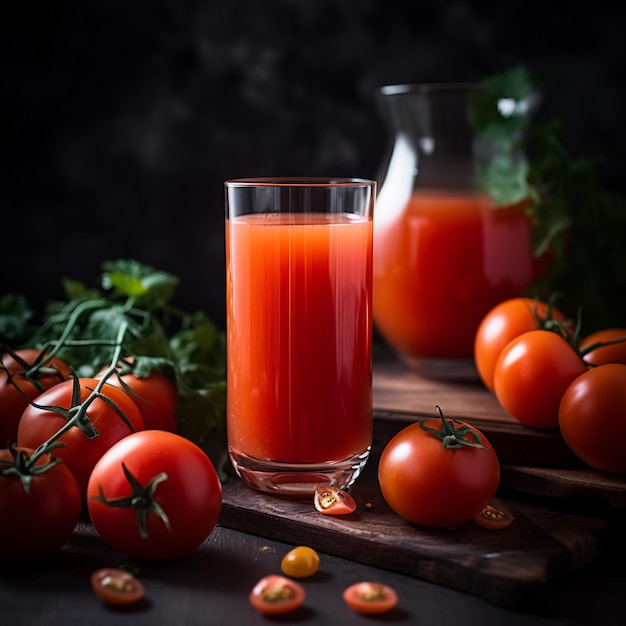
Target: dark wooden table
point(567, 543)
point(211, 587)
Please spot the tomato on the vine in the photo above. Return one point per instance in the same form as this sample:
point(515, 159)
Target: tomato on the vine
point(505, 322)
point(276, 595)
point(154, 496)
point(116, 586)
point(370, 598)
point(108, 419)
point(301, 562)
point(592, 416)
point(331, 500)
point(531, 375)
point(438, 473)
point(610, 353)
point(39, 505)
point(155, 395)
point(12, 402)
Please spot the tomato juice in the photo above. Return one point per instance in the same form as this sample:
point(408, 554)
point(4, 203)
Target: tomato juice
point(299, 332)
point(441, 264)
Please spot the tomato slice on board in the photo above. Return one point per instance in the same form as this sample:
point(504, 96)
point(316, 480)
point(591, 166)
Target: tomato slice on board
point(116, 586)
point(333, 501)
point(370, 597)
point(301, 562)
point(494, 517)
point(276, 595)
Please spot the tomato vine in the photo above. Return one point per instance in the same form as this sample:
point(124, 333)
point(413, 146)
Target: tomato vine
point(131, 316)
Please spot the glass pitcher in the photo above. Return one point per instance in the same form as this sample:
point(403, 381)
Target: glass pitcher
point(444, 253)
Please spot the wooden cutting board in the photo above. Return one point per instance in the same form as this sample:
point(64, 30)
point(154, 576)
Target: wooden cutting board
point(515, 567)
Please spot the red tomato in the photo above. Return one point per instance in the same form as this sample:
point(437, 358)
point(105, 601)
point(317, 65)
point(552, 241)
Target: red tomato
point(155, 395)
point(592, 417)
point(277, 595)
point(504, 322)
point(80, 451)
point(37, 522)
point(531, 375)
point(116, 586)
point(370, 598)
point(333, 501)
point(12, 402)
point(433, 485)
point(154, 496)
point(612, 353)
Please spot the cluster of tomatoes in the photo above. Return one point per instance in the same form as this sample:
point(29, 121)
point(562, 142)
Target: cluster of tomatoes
point(530, 355)
point(106, 447)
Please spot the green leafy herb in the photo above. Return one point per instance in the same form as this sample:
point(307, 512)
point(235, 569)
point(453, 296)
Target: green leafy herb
point(15, 316)
point(577, 223)
point(134, 301)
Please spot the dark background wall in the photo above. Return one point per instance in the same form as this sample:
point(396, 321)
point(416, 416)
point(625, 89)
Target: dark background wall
point(122, 119)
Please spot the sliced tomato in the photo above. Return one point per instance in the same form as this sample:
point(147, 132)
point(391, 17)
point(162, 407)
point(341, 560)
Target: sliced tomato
point(370, 597)
point(333, 501)
point(494, 517)
point(116, 586)
point(276, 595)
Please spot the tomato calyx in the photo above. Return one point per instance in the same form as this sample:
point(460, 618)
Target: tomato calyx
point(548, 321)
point(24, 465)
point(571, 335)
point(452, 433)
point(141, 499)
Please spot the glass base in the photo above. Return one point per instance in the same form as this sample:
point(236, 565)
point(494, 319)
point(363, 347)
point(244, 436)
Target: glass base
point(443, 369)
point(297, 479)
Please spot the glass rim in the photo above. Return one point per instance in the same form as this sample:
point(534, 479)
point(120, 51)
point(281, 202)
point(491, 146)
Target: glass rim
point(300, 181)
point(426, 88)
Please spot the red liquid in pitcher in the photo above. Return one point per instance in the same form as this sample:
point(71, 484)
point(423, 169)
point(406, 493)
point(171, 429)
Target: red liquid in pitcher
point(441, 264)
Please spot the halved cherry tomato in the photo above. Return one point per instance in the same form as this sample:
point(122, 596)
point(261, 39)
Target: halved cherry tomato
point(116, 586)
point(494, 517)
point(333, 501)
point(370, 598)
point(301, 562)
point(276, 595)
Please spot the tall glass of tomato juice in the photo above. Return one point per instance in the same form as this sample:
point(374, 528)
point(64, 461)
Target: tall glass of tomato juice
point(299, 331)
point(444, 253)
